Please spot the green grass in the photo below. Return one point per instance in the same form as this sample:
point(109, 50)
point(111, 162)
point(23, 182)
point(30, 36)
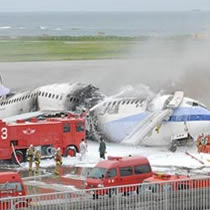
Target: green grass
point(64, 48)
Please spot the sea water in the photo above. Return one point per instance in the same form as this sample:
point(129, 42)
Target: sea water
point(104, 23)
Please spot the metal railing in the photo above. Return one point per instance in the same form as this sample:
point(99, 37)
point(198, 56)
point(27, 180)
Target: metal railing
point(190, 194)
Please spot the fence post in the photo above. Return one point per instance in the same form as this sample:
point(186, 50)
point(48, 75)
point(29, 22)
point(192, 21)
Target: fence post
point(118, 197)
point(66, 201)
point(166, 197)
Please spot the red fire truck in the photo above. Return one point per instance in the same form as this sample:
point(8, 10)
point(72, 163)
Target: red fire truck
point(118, 171)
point(49, 134)
point(165, 182)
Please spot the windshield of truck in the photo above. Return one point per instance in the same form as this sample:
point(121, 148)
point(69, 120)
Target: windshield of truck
point(12, 186)
point(97, 173)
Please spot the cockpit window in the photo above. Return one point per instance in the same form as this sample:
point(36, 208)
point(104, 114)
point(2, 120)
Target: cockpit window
point(194, 103)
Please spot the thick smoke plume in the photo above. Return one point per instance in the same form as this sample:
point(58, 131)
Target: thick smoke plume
point(151, 66)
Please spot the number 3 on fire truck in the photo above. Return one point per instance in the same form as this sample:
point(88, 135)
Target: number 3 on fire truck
point(4, 133)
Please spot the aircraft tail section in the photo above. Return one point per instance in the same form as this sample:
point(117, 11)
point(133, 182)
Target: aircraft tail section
point(3, 90)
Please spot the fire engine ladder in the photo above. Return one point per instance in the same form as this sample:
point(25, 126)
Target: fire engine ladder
point(154, 119)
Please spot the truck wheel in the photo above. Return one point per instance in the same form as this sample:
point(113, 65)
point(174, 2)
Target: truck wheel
point(70, 151)
point(19, 155)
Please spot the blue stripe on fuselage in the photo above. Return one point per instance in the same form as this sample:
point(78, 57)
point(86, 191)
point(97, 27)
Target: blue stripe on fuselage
point(119, 129)
point(180, 114)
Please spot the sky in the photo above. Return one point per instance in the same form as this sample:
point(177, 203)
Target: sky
point(102, 5)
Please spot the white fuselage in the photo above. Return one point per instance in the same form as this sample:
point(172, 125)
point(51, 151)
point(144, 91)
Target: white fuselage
point(118, 119)
point(55, 97)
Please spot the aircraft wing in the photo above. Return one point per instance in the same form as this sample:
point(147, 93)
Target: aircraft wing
point(154, 119)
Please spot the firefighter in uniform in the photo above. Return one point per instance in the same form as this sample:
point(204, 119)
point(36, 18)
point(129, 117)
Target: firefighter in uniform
point(58, 161)
point(37, 160)
point(30, 156)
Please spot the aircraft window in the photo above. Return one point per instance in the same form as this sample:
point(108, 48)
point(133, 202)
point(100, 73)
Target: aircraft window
point(118, 102)
point(9, 102)
point(50, 95)
point(53, 96)
point(23, 98)
point(196, 104)
point(71, 99)
point(19, 99)
point(132, 102)
point(28, 96)
point(114, 103)
point(46, 94)
point(123, 102)
point(39, 93)
point(42, 93)
point(128, 102)
point(109, 103)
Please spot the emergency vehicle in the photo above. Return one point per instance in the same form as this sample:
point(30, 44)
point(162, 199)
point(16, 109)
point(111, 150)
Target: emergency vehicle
point(48, 134)
point(159, 182)
point(11, 185)
point(118, 171)
point(203, 143)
